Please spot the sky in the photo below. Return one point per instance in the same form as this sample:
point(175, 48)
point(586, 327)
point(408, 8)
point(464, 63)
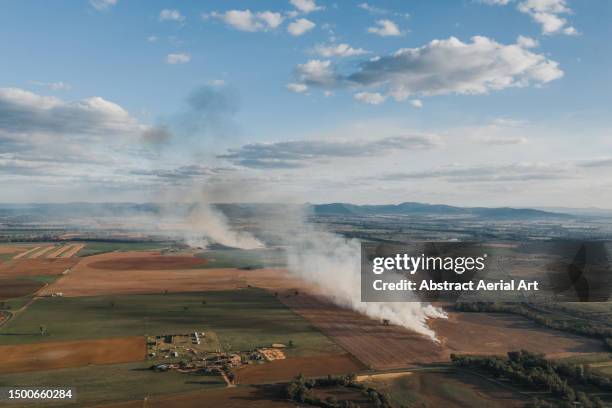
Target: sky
point(463, 102)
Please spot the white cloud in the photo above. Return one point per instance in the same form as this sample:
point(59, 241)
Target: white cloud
point(526, 42)
point(547, 13)
point(441, 67)
point(316, 72)
point(306, 6)
point(416, 103)
point(372, 9)
point(338, 50)
point(171, 15)
point(54, 86)
point(178, 58)
point(152, 38)
point(216, 82)
point(385, 28)
point(300, 26)
point(297, 88)
point(245, 20)
point(103, 4)
point(371, 98)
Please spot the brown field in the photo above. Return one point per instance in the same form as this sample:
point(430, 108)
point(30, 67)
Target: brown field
point(387, 347)
point(42, 251)
point(150, 262)
point(12, 288)
point(87, 279)
point(283, 370)
point(38, 266)
point(265, 396)
point(46, 356)
point(72, 251)
point(12, 249)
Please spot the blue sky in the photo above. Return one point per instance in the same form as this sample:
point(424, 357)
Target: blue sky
point(474, 102)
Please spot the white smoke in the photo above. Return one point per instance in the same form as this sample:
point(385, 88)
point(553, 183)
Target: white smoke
point(333, 263)
point(207, 224)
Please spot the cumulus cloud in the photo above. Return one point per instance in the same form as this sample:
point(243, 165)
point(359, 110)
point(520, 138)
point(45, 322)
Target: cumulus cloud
point(178, 58)
point(371, 98)
point(103, 4)
point(548, 14)
point(495, 2)
point(306, 6)
point(338, 50)
point(300, 27)
point(245, 20)
point(438, 68)
point(296, 154)
point(317, 73)
point(22, 111)
point(171, 15)
point(385, 28)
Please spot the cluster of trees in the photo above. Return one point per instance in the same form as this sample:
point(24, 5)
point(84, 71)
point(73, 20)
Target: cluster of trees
point(301, 390)
point(580, 327)
point(536, 372)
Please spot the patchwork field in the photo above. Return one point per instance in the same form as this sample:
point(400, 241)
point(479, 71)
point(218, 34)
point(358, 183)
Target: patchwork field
point(51, 355)
point(387, 347)
point(149, 272)
point(242, 319)
point(12, 288)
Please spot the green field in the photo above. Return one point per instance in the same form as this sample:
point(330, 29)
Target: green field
point(242, 258)
point(106, 383)
point(95, 248)
point(242, 320)
point(441, 387)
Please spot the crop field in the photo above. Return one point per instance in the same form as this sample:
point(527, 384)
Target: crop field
point(46, 356)
point(446, 388)
point(284, 370)
point(36, 267)
point(385, 347)
point(12, 288)
point(242, 258)
point(96, 248)
point(242, 319)
point(108, 383)
point(150, 272)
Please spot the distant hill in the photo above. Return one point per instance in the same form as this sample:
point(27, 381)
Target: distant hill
point(411, 208)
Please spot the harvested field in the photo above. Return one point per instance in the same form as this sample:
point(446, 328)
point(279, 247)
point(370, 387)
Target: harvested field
point(36, 267)
point(12, 249)
point(86, 279)
point(74, 249)
point(150, 262)
point(283, 370)
point(46, 356)
point(26, 253)
point(42, 251)
point(58, 251)
point(12, 288)
point(386, 347)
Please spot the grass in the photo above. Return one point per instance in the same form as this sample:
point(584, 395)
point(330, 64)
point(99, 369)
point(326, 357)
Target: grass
point(108, 383)
point(95, 248)
point(442, 388)
point(241, 258)
point(242, 319)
